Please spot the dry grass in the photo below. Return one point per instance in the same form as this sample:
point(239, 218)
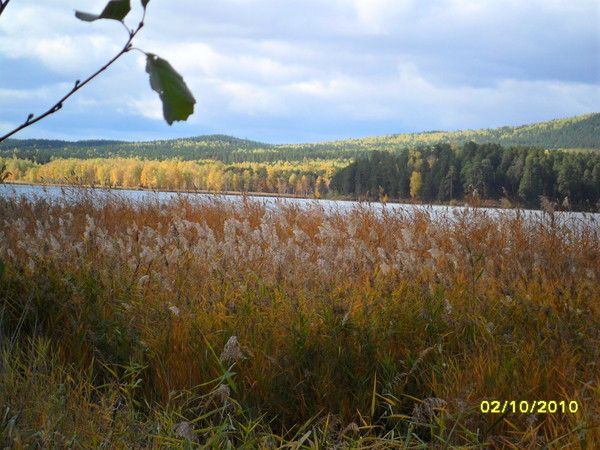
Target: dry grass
point(359, 329)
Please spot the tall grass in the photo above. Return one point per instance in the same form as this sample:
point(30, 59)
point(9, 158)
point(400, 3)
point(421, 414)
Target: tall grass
point(230, 324)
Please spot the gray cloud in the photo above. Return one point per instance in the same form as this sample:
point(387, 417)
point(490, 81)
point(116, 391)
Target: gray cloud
point(305, 70)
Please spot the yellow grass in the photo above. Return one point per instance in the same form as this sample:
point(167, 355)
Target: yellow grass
point(287, 326)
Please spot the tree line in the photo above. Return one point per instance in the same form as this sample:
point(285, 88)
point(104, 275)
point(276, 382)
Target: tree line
point(443, 173)
point(307, 178)
point(439, 173)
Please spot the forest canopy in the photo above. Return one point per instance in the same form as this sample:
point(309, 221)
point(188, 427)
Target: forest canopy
point(441, 174)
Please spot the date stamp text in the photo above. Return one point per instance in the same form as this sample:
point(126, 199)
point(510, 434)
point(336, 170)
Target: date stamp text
point(528, 407)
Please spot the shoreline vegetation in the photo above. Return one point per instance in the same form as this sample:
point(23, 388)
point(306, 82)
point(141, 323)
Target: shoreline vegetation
point(206, 323)
point(486, 174)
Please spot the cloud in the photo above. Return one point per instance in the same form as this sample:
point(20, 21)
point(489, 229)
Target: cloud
point(148, 107)
point(248, 99)
point(312, 68)
point(411, 99)
point(53, 37)
point(376, 16)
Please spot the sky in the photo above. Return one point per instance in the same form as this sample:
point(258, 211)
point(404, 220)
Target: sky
point(295, 71)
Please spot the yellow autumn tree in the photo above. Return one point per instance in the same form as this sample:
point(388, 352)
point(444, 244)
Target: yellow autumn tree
point(416, 181)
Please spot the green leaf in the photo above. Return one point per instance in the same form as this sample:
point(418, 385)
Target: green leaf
point(178, 102)
point(145, 3)
point(86, 17)
point(115, 10)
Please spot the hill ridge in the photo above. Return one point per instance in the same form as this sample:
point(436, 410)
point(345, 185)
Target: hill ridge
point(493, 134)
point(578, 132)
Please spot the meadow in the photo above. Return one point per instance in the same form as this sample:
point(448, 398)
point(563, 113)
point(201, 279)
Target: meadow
point(230, 325)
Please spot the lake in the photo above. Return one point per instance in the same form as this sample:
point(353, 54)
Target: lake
point(58, 193)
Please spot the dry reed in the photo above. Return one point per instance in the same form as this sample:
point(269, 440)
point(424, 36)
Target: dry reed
point(399, 321)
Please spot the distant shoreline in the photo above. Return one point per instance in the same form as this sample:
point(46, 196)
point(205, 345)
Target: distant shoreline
point(487, 204)
point(145, 189)
point(482, 204)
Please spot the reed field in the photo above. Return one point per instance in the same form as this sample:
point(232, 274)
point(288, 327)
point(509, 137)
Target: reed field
point(219, 324)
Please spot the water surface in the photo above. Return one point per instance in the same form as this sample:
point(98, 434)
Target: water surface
point(57, 193)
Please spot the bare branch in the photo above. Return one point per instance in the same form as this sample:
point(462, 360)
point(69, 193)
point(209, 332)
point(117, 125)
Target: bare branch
point(31, 119)
point(3, 5)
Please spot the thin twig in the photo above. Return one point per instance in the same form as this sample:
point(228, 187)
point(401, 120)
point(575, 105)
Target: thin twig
point(3, 5)
point(78, 84)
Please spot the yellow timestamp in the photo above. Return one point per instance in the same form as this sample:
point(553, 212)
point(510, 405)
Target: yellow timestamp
point(528, 407)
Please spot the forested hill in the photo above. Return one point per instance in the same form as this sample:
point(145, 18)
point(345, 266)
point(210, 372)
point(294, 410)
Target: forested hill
point(581, 132)
point(217, 147)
